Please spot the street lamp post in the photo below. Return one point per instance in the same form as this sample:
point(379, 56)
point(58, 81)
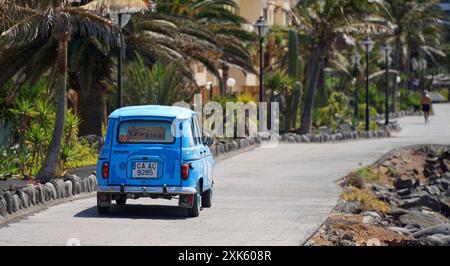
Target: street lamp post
point(209, 87)
point(121, 20)
point(368, 45)
point(386, 48)
point(231, 82)
point(261, 28)
point(355, 59)
point(120, 12)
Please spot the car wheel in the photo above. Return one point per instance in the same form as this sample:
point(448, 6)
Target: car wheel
point(195, 210)
point(207, 198)
point(101, 199)
point(121, 201)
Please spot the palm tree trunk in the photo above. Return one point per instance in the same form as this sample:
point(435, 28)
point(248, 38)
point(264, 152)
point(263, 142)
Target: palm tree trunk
point(48, 169)
point(91, 111)
point(321, 98)
point(397, 67)
point(223, 82)
point(314, 66)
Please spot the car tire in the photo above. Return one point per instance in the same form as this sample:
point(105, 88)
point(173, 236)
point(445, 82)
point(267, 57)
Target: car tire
point(195, 210)
point(102, 209)
point(121, 201)
point(207, 198)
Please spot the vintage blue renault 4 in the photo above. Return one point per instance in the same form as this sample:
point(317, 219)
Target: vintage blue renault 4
point(155, 152)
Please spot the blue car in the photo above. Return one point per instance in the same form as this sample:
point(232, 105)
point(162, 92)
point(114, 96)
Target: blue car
point(156, 152)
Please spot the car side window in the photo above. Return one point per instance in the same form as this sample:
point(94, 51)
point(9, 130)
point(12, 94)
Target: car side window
point(198, 132)
point(193, 131)
point(188, 135)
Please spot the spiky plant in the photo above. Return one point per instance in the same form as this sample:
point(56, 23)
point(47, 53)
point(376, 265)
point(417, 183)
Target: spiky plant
point(39, 24)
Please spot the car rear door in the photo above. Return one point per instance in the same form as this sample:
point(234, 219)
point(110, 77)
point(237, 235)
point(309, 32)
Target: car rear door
point(142, 155)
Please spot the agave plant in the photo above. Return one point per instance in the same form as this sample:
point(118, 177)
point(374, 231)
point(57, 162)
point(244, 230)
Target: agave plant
point(36, 137)
point(41, 24)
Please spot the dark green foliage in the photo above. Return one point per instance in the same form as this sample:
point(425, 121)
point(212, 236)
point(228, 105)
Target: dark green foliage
point(293, 67)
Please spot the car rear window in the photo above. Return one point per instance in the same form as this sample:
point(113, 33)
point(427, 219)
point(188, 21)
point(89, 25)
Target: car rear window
point(145, 132)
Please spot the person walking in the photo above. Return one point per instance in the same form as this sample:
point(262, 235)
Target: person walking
point(426, 105)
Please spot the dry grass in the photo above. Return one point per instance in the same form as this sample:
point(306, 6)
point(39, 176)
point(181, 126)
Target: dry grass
point(367, 200)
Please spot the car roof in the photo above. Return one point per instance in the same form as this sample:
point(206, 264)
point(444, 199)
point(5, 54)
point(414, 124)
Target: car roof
point(153, 110)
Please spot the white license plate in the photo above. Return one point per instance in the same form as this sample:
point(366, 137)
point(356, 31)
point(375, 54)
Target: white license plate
point(145, 170)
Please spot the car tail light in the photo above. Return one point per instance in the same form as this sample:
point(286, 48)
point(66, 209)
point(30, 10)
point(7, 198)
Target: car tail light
point(105, 170)
point(185, 171)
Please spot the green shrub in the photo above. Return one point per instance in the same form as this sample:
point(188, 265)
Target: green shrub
point(367, 199)
point(336, 111)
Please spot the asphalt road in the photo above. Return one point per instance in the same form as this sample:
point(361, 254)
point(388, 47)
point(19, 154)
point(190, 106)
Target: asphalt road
point(277, 196)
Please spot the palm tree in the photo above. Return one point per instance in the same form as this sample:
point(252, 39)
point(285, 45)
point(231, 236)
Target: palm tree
point(192, 36)
point(321, 23)
point(417, 28)
point(54, 21)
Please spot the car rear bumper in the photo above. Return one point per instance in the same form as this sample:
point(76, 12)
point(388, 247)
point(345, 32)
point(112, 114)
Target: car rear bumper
point(156, 190)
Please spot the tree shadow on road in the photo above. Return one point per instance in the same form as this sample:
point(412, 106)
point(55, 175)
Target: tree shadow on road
point(151, 212)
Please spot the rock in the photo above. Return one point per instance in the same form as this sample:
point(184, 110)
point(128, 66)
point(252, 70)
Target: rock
point(445, 165)
point(423, 219)
point(3, 211)
point(9, 201)
point(422, 201)
point(305, 138)
point(68, 188)
point(403, 184)
point(400, 230)
point(432, 160)
point(433, 190)
point(86, 185)
point(368, 220)
point(16, 203)
point(372, 214)
point(443, 228)
point(435, 240)
point(25, 201)
point(50, 192)
point(445, 206)
point(60, 189)
point(349, 207)
point(348, 237)
point(373, 242)
point(76, 183)
point(397, 212)
point(413, 227)
point(30, 190)
point(93, 181)
point(40, 196)
point(404, 192)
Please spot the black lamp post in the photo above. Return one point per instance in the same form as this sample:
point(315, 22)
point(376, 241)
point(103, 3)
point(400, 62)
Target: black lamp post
point(387, 49)
point(261, 28)
point(209, 88)
point(121, 20)
point(368, 46)
point(120, 12)
point(355, 59)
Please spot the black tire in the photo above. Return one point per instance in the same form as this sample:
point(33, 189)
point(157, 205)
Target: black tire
point(195, 210)
point(121, 201)
point(103, 209)
point(207, 197)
